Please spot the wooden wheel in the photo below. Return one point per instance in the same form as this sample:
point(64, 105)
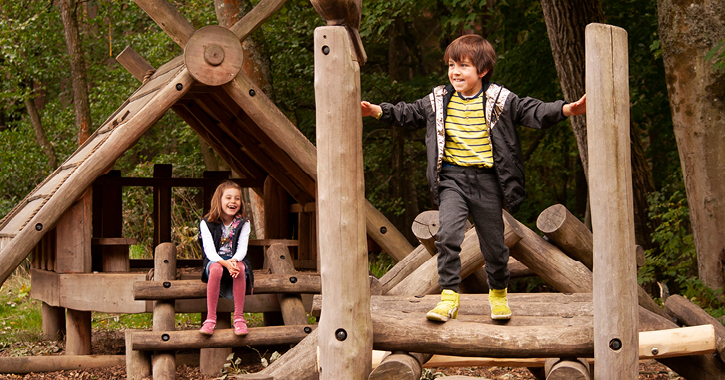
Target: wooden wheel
point(213, 55)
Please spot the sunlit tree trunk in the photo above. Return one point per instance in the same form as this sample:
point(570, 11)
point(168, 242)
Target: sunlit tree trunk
point(40, 133)
point(79, 82)
point(688, 30)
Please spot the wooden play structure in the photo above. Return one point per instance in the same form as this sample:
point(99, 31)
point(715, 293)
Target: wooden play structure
point(71, 226)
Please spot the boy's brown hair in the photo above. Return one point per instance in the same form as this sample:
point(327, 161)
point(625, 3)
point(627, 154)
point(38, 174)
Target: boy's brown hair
point(215, 211)
point(475, 48)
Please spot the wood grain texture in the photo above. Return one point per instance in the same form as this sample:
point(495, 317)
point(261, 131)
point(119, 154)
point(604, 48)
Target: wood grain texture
point(610, 179)
point(345, 325)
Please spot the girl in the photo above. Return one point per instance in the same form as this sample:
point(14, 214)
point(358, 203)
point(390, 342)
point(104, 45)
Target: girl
point(223, 236)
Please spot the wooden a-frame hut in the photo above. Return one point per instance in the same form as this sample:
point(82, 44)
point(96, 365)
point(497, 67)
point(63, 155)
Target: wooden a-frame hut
point(206, 87)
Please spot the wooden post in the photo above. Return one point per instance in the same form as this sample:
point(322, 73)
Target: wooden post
point(276, 226)
point(138, 363)
point(610, 173)
point(293, 310)
point(211, 360)
point(73, 238)
point(53, 322)
point(78, 328)
point(163, 362)
point(425, 228)
point(162, 206)
point(346, 335)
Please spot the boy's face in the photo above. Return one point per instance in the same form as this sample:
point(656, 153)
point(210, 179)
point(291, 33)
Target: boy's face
point(464, 77)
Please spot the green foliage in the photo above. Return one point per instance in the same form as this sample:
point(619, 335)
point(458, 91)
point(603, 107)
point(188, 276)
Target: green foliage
point(674, 263)
point(380, 265)
point(717, 55)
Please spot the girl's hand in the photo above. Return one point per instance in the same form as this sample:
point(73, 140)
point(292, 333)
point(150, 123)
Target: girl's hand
point(369, 109)
point(231, 266)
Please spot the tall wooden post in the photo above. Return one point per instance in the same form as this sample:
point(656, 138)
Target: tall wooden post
point(162, 206)
point(345, 332)
point(163, 362)
point(616, 322)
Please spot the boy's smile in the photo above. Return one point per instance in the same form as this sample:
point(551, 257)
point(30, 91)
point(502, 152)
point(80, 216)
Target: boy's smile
point(464, 77)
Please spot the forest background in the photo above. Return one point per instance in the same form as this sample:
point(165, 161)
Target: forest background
point(404, 41)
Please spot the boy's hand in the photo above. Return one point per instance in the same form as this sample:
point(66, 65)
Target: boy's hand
point(577, 108)
point(369, 109)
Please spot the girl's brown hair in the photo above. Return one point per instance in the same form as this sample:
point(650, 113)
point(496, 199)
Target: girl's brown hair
point(475, 48)
point(215, 211)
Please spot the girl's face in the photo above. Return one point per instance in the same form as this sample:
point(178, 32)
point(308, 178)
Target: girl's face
point(231, 203)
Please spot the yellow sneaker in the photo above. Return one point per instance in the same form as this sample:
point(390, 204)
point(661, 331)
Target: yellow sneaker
point(447, 308)
point(499, 304)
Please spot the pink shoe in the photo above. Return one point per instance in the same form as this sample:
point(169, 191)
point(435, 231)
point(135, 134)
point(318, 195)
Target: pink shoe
point(240, 327)
point(207, 328)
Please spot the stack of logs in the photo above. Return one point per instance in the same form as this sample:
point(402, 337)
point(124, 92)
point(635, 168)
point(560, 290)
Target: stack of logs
point(563, 258)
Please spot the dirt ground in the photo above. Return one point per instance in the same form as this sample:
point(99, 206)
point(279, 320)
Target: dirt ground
point(112, 343)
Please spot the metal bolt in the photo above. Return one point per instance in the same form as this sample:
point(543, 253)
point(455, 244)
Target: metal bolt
point(325, 50)
point(383, 230)
point(281, 257)
point(655, 351)
point(308, 330)
point(252, 93)
point(179, 87)
point(165, 337)
point(167, 284)
point(615, 344)
point(39, 226)
point(341, 334)
point(293, 279)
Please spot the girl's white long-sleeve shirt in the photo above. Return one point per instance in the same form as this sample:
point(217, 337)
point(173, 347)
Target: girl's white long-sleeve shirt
point(209, 249)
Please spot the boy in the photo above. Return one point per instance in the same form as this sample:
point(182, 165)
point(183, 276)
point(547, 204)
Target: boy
point(475, 162)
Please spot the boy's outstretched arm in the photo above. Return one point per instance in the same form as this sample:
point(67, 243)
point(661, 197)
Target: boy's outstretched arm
point(369, 109)
point(577, 108)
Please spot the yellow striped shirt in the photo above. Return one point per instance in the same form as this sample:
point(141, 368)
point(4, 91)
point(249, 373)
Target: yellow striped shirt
point(467, 142)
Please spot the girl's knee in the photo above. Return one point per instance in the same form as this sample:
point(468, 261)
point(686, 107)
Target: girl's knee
point(215, 269)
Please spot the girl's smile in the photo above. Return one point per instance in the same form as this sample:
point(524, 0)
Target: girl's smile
point(231, 202)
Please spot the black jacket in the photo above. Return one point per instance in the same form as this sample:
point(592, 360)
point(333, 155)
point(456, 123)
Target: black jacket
point(216, 234)
point(503, 109)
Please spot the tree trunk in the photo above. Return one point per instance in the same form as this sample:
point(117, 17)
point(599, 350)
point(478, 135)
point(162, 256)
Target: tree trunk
point(565, 23)
point(642, 185)
point(40, 134)
point(79, 82)
point(688, 30)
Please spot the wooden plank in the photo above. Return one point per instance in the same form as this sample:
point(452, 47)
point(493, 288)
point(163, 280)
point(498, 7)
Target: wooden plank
point(104, 292)
point(235, 123)
point(280, 262)
point(346, 348)
point(684, 341)
point(610, 171)
point(190, 339)
point(256, 17)
point(134, 63)
point(168, 18)
point(690, 314)
point(115, 144)
point(78, 328)
point(52, 363)
point(45, 286)
point(263, 284)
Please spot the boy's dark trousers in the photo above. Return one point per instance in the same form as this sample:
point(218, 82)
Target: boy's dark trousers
point(471, 191)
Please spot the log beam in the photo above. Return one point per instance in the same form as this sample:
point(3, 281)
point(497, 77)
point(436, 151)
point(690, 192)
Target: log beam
point(190, 339)
point(169, 19)
point(424, 280)
point(690, 314)
point(163, 364)
point(263, 283)
point(52, 363)
point(575, 239)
